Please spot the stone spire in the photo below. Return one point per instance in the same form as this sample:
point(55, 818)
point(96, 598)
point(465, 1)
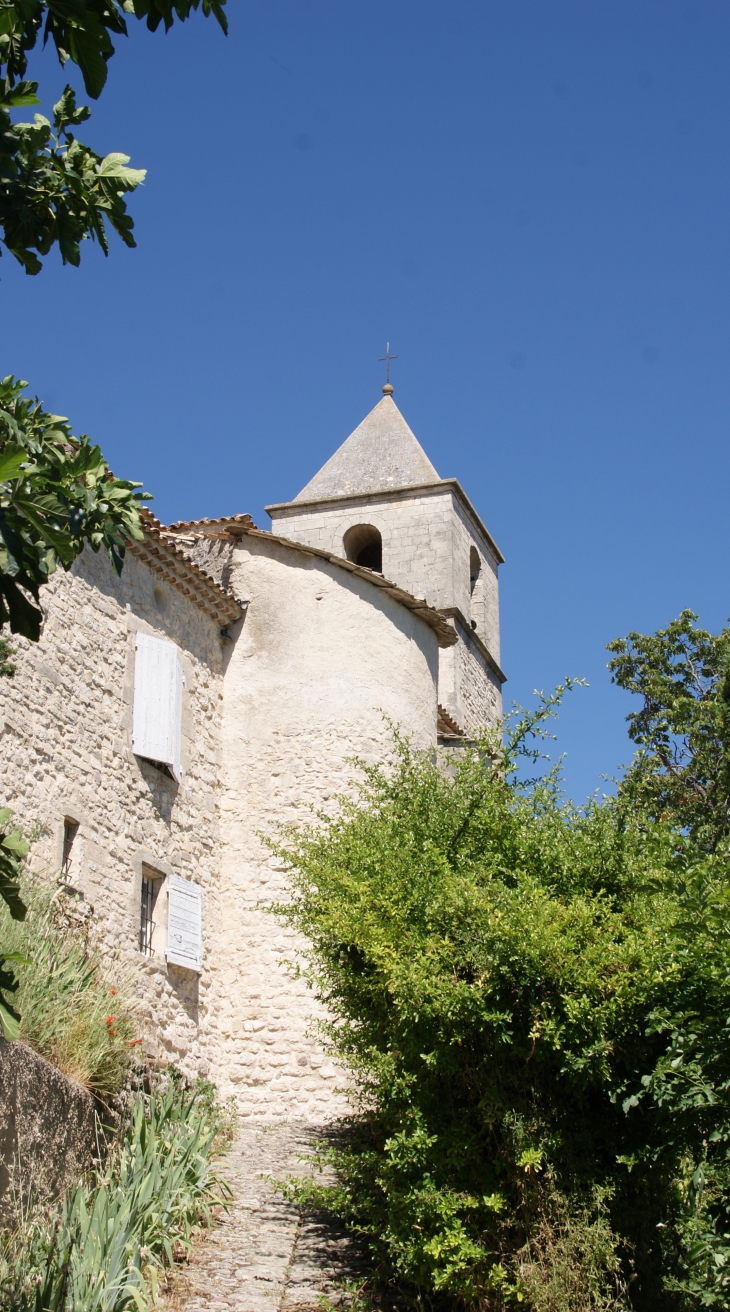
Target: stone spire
point(381, 454)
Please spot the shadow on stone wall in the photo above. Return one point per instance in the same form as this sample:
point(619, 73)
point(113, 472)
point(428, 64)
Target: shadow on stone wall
point(48, 1128)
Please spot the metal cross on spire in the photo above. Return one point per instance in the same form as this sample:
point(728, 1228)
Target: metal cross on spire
point(387, 358)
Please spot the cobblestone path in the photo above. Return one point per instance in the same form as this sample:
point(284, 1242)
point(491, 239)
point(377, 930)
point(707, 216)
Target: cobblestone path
point(263, 1256)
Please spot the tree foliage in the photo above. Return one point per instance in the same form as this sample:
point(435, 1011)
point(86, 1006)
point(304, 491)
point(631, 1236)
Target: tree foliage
point(13, 849)
point(56, 494)
point(53, 189)
point(682, 728)
point(533, 998)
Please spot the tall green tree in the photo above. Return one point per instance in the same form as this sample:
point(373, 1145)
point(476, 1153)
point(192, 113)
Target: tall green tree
point(57, 494)
point(13, 848)
point(533, 998)
point(682, 727)
point(53, 189)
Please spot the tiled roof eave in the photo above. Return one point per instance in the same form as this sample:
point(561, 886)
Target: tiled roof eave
point(172, 563)
point(206, 525)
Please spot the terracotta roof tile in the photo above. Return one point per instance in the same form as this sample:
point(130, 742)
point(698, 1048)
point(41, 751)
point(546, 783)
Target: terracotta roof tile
point(446, 726)
point(168, 559)
point(224, 521)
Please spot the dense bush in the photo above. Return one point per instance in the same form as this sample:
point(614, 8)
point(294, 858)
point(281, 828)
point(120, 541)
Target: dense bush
point(103, 1248)
point(70, 1011)
point(534, 999)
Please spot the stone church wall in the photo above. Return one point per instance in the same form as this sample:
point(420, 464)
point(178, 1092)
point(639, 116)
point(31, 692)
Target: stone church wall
point(480, 693)
point(321, 655)
point(66, 720)
point(427, 538)
point(415, 529)
point(468, 688)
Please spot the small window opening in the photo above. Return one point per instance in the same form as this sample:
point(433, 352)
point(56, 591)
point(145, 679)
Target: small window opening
point(70, 830)
point(475, 568)
point(151, 885)
point(475, 588)
point(147, 923)
point(364, 546)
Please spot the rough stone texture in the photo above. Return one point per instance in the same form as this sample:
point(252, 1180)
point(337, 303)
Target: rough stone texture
point(272, 718)
point(468, 684)
point(381, 453)
point(47, 1128)
point(263, 1256)
point(66, 719)
point(321, 656)
point(318, 660)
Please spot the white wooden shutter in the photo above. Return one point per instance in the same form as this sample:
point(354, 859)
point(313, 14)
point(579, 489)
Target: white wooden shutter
point(158, 684)
point(184, 924)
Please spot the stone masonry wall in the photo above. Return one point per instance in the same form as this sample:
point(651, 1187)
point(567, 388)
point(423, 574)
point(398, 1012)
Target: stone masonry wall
point(415, 529)
point(321, 655)
point(479, 691)
point(483, 605)
point(468, 688)
point(66, 721)
point(48, 1130)
point(427, 538)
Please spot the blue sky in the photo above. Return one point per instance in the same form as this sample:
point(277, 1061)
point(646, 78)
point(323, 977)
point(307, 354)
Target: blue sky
point(530, 201)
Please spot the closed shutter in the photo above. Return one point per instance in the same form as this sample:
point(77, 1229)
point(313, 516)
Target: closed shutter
point(158, 684)
point(184, 924)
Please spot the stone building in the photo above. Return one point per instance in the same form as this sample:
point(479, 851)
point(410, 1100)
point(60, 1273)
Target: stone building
point(379, 501)
point(170, 719)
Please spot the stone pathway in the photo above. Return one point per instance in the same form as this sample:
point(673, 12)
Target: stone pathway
point(263, 1256)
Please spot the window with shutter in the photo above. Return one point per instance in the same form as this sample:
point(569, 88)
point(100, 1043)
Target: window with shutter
point(185, 924)
point(158, 684)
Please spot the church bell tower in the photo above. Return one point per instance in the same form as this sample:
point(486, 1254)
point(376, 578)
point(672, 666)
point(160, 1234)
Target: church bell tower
point(378, 501)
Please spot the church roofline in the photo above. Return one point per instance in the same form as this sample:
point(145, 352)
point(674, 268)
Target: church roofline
point(390, 494)
point(168, 559)
point(237, 527)
point(222, 521)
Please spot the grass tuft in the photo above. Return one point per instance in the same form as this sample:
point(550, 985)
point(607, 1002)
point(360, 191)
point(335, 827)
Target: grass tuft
point(71, 1013)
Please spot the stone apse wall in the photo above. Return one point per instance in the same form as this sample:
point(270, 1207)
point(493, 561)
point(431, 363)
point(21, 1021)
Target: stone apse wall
point(270, 722)
point(321, 656)
point(427, 534)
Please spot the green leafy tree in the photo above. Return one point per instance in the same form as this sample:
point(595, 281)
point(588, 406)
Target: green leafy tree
point(533, 998)
point(53, 189)
point(13, 849)
point(57, 494)
point(682, 728)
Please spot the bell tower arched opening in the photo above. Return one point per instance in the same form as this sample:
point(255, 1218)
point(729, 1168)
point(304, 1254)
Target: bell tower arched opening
point(475, 587)
point(364, 546)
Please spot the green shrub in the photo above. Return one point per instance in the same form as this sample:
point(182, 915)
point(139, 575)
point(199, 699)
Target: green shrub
point(534, 1001)
point(104, 1247)
point(71, 1013)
